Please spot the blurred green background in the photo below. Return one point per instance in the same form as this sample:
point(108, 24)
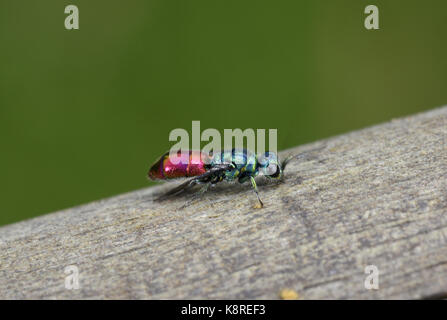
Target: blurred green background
point(83, 113)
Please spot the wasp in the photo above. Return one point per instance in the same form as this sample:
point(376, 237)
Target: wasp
point(208, 169)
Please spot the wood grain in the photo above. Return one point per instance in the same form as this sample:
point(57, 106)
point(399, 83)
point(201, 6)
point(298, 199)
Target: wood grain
point(377, 196)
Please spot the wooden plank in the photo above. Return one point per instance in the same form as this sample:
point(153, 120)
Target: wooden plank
point(377, 196)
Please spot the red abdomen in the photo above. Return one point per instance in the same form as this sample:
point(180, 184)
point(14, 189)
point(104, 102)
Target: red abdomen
point(187, 164)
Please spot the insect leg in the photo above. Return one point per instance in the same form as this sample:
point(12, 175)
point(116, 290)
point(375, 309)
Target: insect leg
point(253, 183)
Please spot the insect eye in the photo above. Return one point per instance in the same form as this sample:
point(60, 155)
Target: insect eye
point(276, 172)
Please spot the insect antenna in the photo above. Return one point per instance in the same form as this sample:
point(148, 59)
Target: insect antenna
point(305, 154)
point(286, 161)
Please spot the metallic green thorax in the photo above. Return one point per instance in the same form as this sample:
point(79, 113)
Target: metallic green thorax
point(245, 163)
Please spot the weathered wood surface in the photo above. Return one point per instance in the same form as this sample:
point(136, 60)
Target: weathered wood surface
point(377, 196)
